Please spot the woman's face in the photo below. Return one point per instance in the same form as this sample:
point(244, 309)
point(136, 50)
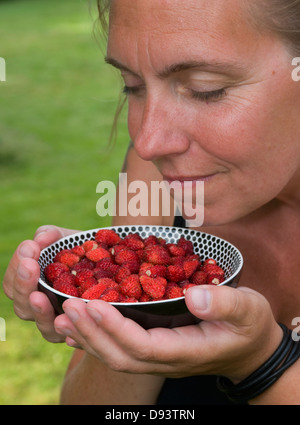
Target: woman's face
point(210, 99)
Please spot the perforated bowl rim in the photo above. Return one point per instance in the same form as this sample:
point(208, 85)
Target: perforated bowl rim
point(137, 228)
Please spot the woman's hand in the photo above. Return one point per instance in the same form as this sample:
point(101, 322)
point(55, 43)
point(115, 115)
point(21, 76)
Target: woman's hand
point(21, 279)
point(237, 334)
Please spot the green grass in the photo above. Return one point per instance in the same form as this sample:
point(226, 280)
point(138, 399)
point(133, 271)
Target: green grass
point(56, 111)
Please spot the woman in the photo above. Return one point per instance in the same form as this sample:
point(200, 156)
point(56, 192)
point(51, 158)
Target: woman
point(211, 99)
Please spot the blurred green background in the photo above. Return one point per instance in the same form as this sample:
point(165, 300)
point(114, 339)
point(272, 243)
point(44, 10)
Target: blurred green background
point(56, 110)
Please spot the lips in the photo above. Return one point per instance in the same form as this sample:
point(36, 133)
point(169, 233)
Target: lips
point(183, 179)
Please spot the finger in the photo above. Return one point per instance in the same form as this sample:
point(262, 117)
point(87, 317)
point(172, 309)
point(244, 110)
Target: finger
point(44, 316)
point(27, 249)
point(239, 306)
point(48, 234)
point(117, 340)
point(26, 280)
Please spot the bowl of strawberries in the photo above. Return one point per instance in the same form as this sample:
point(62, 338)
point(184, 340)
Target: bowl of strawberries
point(144, 271)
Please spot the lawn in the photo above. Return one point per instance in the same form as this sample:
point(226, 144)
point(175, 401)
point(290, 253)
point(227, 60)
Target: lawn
point(56, 110)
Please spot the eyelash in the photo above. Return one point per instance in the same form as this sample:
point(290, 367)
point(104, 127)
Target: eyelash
point(203, 96)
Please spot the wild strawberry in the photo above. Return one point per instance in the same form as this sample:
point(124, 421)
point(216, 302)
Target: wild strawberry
point(78, 250)
point(199, 278)
point(155, 287)
point(215, 279)
point(126, 255)
point(110, 295)
point(99, 273)
point(186, 245)
point(94, 292)
point(177, 260)
point(151, 240)
point(126, 299)
point(97, 254)
point(130, 286)
point(108, 265)
point(133, 265)
point(82, 275)
point(144, 298)
point(157, 270)
point(54, 270)
point(65, 284)
point(156, 254)
point(133, 241)
point(89, 245)
point(67, 257)
point(108, 237)
point(86, 284)
point(175, 250)
point(214, 269)
point(211, 261)
point(174, 292)
point(175, 273)
point(84, 264)
point(123, 272)
point(190, 266)
point(66, 277)
point(186, 287)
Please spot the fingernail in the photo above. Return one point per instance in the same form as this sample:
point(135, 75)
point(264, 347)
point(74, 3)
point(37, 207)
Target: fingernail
point(94, 314)
point(23, 273)
point(26, 251)
point(72, 314)
point(201, 299)
point(63, 331)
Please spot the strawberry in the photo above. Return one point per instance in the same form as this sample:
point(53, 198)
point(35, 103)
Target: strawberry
point(130, 286)
point(174, 292)
point(86, 284)
point(126, 299)
point(199, 278)
point(108, 265)
point(215, 279)
point(84, 264)
point(99, 273)
point(89, 245)
point(124, 271)
point(151, 240)
point(126, 255)
point(175, 273)
point(153, 286)
point(94, 292)
point(156, 254)
point(108, 237)
point(186, 245)
point(97, 254)
point(144, 298)
point(157, 270)
point(54, 270)
point(175, 250)
point(186, 287)
point(65, 285)
point(110, 295)
point(67, 257)
point(133, 241)
point(82, 275)
point(66, 277)
point(190, 266)
point(78, 250)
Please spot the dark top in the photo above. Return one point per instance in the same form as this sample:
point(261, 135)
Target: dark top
point(194, 390)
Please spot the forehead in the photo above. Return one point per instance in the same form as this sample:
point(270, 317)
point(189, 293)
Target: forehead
point(191, 27)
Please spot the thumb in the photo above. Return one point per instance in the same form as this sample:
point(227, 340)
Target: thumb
point(239, 306)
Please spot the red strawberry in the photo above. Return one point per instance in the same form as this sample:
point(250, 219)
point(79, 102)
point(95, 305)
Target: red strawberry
point(123, 272)
point(175, 250)
point(67, 257)
point(186, 245)
point(66, 277)
point(190, 266)
point(94, 292)
point(210, 261)
point(97, 254)
point(151, 240)
point(156, 254)
point(126, 255)
point(108, 265)
point(89, 245)
point(157, 270)
point(144, 298)
point(108, 237)
point(199, 278)
point(134, 241)
point(82, 275)
point(155, 287)
point(54, 270)
point(174, 292)
point(64, 285)
point(78, 250)
point(175, 273)
point(84, 264)
point(110, 295)
point(215, 279)
point(99, 273)
point(126, 299)
point(186, 287)
point(130, 286)
point(88, 283)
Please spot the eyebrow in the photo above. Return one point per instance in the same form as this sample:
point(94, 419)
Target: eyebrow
point(224, 67)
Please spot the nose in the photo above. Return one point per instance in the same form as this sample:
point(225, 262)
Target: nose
point(160, 131)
